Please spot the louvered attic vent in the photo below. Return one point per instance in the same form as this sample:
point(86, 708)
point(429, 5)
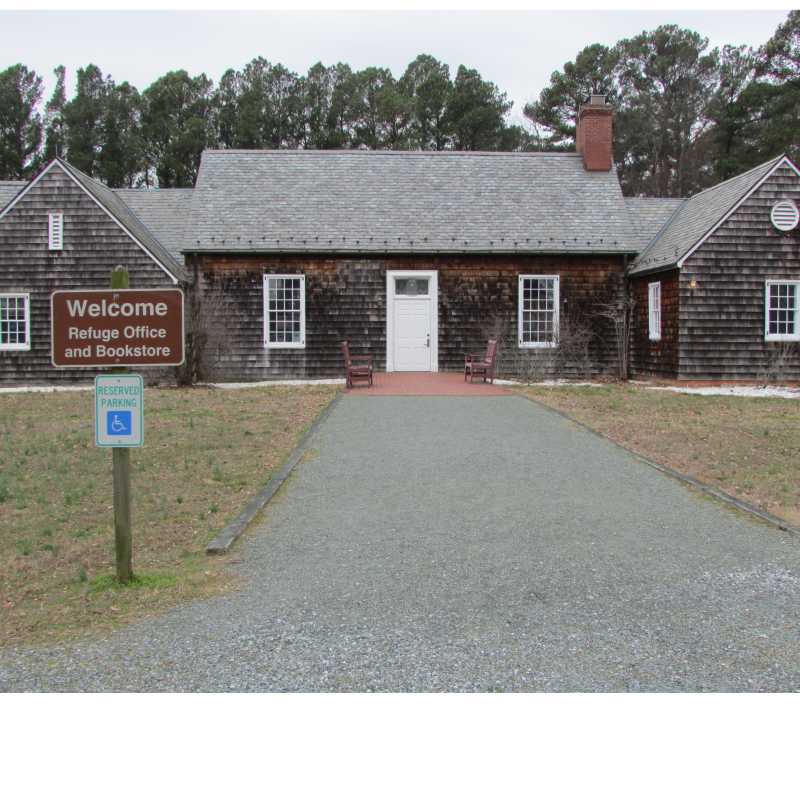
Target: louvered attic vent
point(55, 231)
point(785, 215)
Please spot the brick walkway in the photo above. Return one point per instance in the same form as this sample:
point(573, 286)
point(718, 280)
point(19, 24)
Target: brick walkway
point(427, 384)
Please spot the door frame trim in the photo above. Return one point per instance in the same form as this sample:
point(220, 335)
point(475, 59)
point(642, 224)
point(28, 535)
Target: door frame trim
point(433, 293)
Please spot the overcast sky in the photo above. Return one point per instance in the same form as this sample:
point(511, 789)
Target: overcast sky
point(517, 50)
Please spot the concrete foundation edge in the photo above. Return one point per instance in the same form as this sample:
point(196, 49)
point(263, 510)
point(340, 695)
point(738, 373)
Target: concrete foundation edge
point(764, 516)
point(231, 532)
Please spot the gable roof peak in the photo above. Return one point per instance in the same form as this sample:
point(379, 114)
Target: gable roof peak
point(700, 215)
point(115, 208)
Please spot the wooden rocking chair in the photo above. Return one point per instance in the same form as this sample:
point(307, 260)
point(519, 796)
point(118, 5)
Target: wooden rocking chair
point(356, 372)
point(481, 363)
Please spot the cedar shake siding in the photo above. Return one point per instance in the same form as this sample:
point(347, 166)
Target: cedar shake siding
point(93, 244)
point(655, 358)
point(723, 319)
point(480, 221)
point(345, 299)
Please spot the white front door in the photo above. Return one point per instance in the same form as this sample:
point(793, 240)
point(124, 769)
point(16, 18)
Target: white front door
point(412, 334)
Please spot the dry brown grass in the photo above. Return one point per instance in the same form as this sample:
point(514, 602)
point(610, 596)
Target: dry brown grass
point(746, 446)
point(205, 453)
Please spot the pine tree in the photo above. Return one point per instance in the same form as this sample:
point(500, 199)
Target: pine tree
point(20, 123)
point(666, 80)
point(55, 143)
point(554, 114)
point(84, 117)
point(176, 126)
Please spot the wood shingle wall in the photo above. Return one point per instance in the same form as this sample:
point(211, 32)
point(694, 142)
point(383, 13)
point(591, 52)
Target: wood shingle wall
point(93, 245)
point(346, 300)
point(722, 320)
point(649, 357)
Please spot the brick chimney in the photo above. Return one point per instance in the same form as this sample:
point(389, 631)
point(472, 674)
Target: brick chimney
point(593, 134)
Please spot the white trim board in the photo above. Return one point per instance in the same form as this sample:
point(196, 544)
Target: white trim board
point(433, 293)
point(47, 169)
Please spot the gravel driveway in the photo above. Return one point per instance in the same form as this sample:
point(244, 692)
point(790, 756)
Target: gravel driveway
point(469, 544)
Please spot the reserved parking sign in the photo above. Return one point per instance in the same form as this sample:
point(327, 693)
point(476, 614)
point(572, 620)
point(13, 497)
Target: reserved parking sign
point(118, 411)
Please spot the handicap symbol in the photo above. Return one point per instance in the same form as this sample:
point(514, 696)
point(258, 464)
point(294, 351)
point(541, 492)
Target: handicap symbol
point(119, 423)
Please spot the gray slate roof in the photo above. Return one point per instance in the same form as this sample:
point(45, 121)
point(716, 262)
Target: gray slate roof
point(124, 216)
point(649, 215)
point(368, 201)
point(164, 212)
point(9, 190)
point(696, 217)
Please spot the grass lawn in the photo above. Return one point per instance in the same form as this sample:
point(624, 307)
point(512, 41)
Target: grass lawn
point(747, 446)
point(205, 452)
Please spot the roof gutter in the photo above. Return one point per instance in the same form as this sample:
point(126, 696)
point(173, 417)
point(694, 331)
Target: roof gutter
point(658, 268)
point(383, 253)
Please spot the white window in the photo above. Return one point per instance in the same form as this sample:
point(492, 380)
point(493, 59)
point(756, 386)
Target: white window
point(538, 310)
point(781, 305)
point(654, 306)
point(15, 322)
point(284, 311)
point(55, 231)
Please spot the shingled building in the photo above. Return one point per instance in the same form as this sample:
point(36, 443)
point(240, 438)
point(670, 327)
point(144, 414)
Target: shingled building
point(415, 257)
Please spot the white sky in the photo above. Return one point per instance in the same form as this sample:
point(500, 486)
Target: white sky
point(516, 49)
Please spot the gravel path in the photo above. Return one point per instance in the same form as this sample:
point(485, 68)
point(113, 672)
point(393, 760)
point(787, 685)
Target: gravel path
point(469, 544)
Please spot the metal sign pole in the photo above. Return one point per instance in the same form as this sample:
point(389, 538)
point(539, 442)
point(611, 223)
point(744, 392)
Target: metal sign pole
point(120, 279)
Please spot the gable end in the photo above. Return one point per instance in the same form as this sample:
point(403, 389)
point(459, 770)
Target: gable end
point(156, 260)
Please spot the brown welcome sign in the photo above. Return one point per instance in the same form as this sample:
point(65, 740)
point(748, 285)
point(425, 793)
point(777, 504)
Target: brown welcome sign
point(117, 328)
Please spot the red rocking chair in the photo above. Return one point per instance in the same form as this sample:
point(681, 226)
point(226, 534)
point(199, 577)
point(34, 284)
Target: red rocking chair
point(481, 363)
point(356, 372)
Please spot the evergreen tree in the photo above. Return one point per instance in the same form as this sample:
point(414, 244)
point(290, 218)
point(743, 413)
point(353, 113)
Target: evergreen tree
point(555, 112)
point(121, 160)
point(259, 107)
point(395, 112)
point(375, 88)
point(317, 97)
point(20, 123)
point(427, 83)
point(666, 80)
point(224, 109)
point(55, 144)
point(737, 109)
point(176, 126)
point(84, 118)
point(778, 75)
point(475, 112)
point(345, 108)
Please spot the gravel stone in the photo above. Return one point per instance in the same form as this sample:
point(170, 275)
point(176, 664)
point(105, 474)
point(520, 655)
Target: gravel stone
point(468, 544)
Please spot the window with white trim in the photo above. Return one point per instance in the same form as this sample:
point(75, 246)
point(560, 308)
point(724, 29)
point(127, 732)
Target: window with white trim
point(781, 308)
point(15, 322)
point(654, 307)
point(284, 311)
point(55, 231)
point(538, 310)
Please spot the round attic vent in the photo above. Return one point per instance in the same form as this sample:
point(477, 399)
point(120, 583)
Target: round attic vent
point(785, 215)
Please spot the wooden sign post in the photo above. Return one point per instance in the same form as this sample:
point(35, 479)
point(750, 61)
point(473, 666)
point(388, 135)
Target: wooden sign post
point(120, 328)
point(123, 547)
